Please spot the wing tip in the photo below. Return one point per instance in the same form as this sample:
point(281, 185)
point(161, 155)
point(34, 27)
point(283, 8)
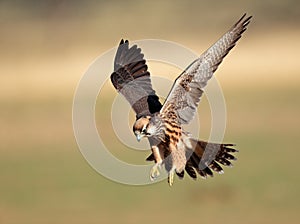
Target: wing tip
point(123, 41)
point(243, 20)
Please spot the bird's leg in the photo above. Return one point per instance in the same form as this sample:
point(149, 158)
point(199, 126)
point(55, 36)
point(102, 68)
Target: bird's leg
point(171, 177)
point(154, 173)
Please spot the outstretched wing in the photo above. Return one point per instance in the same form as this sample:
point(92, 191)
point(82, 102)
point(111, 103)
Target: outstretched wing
point(132, 79)
point(185, 94)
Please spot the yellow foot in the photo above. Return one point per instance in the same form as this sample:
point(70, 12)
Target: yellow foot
point(171, 178)
point(154, 173)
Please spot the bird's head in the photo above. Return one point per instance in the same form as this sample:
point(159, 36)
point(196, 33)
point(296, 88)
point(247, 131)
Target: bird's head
point(141, 127)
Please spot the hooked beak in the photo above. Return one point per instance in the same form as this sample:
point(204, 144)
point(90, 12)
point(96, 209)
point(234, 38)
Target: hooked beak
point(138, 137)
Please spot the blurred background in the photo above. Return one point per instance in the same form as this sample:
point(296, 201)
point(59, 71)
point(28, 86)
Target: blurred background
point(46, 46)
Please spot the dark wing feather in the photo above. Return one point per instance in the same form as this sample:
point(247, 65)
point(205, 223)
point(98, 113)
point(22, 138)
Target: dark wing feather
point(185, 94)
point(132, 78)
point(204, 157)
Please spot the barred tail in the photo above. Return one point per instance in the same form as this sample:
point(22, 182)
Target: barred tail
point(203, 157)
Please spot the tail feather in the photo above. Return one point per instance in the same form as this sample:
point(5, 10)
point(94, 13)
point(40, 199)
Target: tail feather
point(208, 172)
point(216, 167)
point(195, 160)
point(226, 148)
point(228, 156)
point(224, 162)
point(180, 174)
point(205, 157)
point(190, 170)
point(201, 173)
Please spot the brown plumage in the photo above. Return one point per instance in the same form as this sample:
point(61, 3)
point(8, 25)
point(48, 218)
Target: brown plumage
point(162, 125)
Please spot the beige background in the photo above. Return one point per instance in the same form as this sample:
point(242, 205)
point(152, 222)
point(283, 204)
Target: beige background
point(46, 46)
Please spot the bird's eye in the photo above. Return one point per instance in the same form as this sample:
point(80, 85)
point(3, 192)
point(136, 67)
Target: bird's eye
point(144, 130)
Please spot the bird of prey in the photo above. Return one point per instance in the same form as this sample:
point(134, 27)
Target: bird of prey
point(162, 124)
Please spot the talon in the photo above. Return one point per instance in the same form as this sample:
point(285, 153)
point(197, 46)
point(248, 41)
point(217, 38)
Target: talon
point(171, 178)
point(154, 173)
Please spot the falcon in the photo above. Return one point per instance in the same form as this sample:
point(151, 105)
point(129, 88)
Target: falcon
point(162, 125)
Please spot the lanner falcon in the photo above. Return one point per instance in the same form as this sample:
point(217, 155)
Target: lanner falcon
point(162, 124)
